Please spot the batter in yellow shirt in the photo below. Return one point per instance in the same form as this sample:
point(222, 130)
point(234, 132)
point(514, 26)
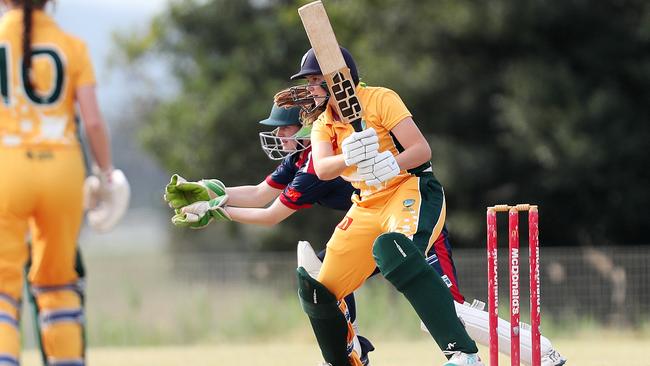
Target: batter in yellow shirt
point(394, 206)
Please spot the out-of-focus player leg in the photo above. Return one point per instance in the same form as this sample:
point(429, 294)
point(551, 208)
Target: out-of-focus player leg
point(9, 330)
point(53, 273)
point(16, 202)
point(78, 288)
point(60, 322)
point(12, 254)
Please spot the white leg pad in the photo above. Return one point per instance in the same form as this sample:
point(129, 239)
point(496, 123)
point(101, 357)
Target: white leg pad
point(476, 323)
point(307, 259)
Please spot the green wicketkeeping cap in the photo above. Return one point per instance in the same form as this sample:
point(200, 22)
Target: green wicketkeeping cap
point(281, 116)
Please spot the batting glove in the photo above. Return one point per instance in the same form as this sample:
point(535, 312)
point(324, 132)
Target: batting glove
point(378, 169)
point(360, 146)
point(180, 193)
point(199, 214)
point(106, 198)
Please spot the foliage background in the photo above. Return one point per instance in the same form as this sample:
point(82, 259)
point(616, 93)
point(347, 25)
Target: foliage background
point(533, 101)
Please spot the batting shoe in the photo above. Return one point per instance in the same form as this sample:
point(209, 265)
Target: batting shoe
point(553, 358)
point(463, 359)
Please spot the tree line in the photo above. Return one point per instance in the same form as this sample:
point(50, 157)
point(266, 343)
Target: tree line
point(533, 101)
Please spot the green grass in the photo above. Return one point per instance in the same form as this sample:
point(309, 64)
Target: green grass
point(259, 326)
point(199, 315)
point(602, 348)
point(255, 325)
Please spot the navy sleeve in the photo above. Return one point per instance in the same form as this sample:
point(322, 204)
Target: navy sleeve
point(306, 189)
point(283, 174)
point(303, 191)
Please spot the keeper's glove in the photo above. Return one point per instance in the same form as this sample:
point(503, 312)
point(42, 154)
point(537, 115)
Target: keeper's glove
point(106, 198)
point(180, 193)
point(360, 146)
point(379, 169)
point(199, 214)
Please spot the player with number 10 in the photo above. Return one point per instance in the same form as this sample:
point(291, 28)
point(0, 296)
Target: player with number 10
point(44, 72)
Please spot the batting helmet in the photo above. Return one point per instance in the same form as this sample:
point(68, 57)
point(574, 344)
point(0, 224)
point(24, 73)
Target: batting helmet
point(309, 65)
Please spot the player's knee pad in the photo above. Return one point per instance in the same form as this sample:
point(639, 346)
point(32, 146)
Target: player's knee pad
point(61, 324)
point(329, 323)
point(399, 261)
point(9, 330)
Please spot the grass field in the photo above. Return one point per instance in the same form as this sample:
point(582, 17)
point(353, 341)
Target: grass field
point(590, 349)
point(160, 315)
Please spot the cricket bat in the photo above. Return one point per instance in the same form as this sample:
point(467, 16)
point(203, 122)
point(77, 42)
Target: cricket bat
point(332, 64)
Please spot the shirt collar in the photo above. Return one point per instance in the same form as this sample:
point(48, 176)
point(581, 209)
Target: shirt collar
point(16, 16)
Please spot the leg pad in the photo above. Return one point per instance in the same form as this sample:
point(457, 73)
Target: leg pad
point(327, 320)
point(9, 330)
point(404, 266)
point(60, 315)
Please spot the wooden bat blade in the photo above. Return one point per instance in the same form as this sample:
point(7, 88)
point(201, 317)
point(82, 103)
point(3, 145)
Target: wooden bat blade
point(332, 64)
point(321, 36)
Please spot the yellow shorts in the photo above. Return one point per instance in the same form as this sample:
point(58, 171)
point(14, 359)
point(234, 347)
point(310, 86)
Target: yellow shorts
point(416, 209)
point(40, 192)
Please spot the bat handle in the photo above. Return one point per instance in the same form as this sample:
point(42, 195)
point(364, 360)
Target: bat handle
point(356, 124)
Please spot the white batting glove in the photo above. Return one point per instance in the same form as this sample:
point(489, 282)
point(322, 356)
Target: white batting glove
point(106, 198)
point(378, 169)
point(360, 146)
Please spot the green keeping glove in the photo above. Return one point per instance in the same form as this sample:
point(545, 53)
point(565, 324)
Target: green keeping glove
point(199, 214)
point(179, 192)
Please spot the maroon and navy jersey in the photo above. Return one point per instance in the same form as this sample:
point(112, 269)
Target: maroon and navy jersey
point(302, 188)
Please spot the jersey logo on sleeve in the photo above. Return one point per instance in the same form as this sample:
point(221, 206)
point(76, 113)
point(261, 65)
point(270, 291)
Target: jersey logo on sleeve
point(345, 223)
point(335, 144)
point(292, 194)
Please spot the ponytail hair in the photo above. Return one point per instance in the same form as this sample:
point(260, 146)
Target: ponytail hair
point(297, 97)
point(28, 9)
point(27, 38)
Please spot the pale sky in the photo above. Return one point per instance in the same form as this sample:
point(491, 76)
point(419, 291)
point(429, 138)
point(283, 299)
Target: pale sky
point(94, 21)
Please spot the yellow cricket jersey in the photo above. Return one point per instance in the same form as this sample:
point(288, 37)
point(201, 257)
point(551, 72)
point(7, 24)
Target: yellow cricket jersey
point(41, 113)
point(382, 109)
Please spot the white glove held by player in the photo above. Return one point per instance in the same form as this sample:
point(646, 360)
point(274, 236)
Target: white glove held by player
point(378, 169)
point(106, 198)
point(198, 210)
point(360, 146)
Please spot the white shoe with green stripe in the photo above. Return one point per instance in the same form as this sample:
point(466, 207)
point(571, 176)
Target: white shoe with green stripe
point(464, 359)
